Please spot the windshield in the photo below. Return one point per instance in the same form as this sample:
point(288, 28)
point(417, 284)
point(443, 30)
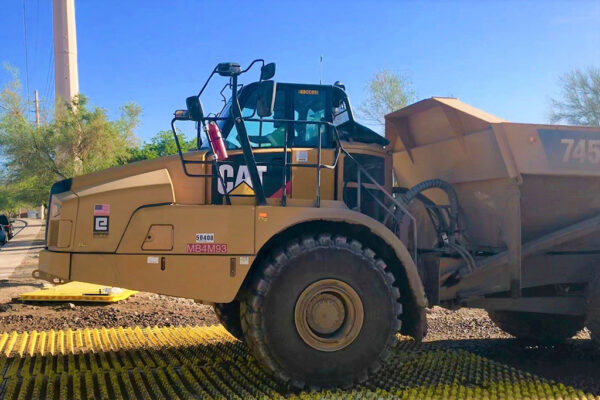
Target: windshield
point(303, 105)
point(262, 134)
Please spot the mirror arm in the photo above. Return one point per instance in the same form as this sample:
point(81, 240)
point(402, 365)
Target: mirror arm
point(254, 62)
point(208, 80)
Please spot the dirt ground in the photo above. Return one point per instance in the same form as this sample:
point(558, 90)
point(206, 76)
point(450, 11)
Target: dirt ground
point(573, 363)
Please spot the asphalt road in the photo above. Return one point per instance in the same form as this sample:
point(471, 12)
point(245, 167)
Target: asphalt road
point(24, 242)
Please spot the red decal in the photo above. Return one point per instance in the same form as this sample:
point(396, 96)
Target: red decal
point(206, 248)
point(279, 192)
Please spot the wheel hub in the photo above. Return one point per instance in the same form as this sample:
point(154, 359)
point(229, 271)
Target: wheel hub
point(329, 315)
point(325, 313)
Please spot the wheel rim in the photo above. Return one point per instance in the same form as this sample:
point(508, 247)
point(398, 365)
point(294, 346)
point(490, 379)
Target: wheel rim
point(329, 315)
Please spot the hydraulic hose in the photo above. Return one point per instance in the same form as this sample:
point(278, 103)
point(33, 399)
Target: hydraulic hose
point(453, 242)
point(413, 192)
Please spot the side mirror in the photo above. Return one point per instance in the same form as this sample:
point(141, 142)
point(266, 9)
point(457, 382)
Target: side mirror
point(195, 111)
point(265, 99)
point(267, 71)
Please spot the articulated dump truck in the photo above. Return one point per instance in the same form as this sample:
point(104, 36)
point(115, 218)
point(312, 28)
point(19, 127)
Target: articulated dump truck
point(317, 240)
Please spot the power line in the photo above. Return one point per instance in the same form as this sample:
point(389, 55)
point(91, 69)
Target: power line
point(26, 57)
point(36, 42)
point(49, 75)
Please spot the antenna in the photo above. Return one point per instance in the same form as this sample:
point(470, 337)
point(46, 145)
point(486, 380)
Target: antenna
point(321, 71)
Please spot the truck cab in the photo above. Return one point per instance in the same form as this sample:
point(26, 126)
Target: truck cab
point(294, 129)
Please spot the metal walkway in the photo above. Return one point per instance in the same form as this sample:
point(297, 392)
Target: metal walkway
point(206, 362)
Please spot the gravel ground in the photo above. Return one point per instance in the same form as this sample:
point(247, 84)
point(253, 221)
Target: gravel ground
point(574, 363)
point(142, 309)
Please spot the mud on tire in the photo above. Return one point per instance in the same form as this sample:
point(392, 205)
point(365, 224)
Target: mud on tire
point(270, 321)
point(537, 327)
point(228, 315)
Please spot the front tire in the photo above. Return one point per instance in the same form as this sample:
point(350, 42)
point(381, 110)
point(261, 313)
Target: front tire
point(323, 312)
point(537, 327)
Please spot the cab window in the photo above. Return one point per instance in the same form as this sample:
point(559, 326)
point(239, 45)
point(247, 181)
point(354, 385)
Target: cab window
point(340, 114)
point(302, 104)
point(310, 105)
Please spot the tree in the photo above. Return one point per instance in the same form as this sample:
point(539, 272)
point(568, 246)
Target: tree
point(79, 140)
point(579, 103)
point(160, 145)
point(387, 92)
point(9, 203)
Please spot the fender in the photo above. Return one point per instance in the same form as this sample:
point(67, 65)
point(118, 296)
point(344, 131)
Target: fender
point(271, 221)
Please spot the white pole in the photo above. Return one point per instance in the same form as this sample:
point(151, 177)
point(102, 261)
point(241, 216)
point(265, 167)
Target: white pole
point(66, 79)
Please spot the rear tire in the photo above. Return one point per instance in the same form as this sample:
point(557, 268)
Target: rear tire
point(538, 327)
point(593, 310)
point(228, 315)
point(322, 312)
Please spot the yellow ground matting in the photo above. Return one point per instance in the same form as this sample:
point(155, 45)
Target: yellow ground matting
point(78, 291)
point(206, 362)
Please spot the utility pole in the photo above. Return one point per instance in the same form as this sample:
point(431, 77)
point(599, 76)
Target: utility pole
point(37, 109)
point(66, 79)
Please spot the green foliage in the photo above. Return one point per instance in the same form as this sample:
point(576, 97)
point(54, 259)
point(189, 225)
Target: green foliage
point(387, 92)
point(8, 200)
point(81, 139)
point(579, 103)
point(160, 145)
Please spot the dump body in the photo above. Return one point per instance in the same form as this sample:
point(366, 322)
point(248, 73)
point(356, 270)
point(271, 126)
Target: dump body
point(521, 189)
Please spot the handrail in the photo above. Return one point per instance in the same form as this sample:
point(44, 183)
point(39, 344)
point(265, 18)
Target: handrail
point(396, 202)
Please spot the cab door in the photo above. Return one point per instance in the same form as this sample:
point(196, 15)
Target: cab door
point(310, 103)
point(296, 122)
point(267, 139)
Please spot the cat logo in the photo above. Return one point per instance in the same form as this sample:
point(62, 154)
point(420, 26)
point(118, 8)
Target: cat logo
point(238, 183)
point(236, 179)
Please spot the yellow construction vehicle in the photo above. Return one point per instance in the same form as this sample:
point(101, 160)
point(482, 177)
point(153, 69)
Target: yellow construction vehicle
point(255, 222)
point(286, 219)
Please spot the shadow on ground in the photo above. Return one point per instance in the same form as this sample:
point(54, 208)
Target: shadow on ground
point(575, 362)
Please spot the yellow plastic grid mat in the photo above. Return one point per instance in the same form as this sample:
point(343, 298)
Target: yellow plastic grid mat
point(78, 291)
point(206, 362)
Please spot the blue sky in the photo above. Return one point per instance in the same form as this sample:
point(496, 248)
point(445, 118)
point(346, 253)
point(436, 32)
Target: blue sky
point(501, 56)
